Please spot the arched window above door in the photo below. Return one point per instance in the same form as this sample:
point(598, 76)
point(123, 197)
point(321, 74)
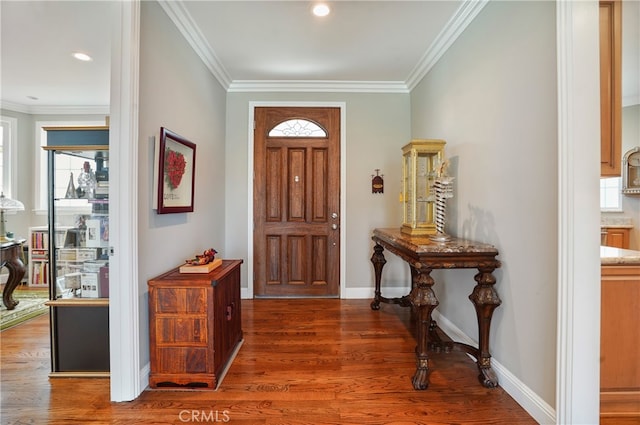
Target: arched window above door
point(297, 128)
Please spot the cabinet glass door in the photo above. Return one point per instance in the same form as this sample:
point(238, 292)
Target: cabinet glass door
point(80, 223)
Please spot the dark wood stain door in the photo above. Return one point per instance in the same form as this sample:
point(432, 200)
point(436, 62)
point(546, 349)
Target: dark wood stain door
point(296, 205)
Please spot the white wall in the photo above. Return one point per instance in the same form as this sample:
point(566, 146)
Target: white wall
point(178, 92)
point(492, 97)
point(377, 126)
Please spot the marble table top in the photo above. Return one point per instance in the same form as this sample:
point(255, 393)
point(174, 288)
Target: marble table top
point(424, 245)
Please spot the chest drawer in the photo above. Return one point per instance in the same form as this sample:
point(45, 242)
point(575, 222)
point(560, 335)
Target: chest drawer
point(181, 330)
point(180, 300)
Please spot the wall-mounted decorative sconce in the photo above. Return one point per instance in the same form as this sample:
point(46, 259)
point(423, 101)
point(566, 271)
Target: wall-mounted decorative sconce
point(377, 183)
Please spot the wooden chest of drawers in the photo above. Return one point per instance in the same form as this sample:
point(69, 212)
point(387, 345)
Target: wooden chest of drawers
point(194, 326)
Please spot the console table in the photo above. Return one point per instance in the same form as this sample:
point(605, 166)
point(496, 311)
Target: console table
point(424, 255)
point(11, 252)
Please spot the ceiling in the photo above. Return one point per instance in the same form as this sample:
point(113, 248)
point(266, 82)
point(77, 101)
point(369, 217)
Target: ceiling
point(37, 41)
point(247, 45)
point(371, 43)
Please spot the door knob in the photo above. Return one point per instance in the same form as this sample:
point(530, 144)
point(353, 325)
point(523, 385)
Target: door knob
point(334, 226)
point(334, 215)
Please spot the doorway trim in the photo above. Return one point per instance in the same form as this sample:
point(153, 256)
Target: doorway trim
point(343, 185)
point(127, 379)
point(578, 302)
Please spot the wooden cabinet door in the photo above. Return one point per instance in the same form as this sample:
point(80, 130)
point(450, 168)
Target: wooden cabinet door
point(617, 238)
point(611, 87)
point(620, 329)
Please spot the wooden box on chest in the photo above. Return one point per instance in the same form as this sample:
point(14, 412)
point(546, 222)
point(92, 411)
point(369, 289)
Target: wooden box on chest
point(194, 326)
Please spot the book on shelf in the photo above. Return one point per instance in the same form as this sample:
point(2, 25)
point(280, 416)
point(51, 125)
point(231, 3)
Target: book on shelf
point(40, 240)
point(60, 237)
point(39, 254)
point(103, 280)
point(102, 189)
point(40, 273)
point(97, 232)
point(89, 285)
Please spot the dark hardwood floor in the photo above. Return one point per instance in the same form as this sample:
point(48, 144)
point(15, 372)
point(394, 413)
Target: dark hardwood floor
point(313, 361)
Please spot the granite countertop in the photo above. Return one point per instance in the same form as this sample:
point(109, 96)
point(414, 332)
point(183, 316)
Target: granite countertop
point(617, 256)
point(616, 223)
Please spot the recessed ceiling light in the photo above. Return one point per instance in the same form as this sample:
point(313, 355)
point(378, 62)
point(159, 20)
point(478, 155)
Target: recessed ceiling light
point(82, 57)
point(321, 9)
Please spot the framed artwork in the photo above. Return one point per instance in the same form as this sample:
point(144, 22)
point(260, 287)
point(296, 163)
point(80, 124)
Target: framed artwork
point(177, 170)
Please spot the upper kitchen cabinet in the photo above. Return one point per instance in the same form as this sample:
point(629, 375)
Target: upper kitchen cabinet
point(610, 87)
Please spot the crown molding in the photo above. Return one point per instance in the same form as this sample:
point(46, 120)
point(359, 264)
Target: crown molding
point(465, 14)
point(186, 25)
point(181, 18)
point(55, 109)
point(318, 86)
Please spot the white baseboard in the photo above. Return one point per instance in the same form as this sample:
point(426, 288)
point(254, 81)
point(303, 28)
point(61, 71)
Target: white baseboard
point(352, 293)
point(541, 411)
point(369, 293)
point(144, 376)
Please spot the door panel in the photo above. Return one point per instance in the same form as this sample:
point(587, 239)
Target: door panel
point(296, 185)
point(319, 194)
point(296, 205)
point(273, 182)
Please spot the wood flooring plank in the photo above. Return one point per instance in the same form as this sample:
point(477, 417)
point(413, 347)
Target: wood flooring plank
point(313, 361)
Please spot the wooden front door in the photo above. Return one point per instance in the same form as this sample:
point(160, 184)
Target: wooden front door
point(296, 202)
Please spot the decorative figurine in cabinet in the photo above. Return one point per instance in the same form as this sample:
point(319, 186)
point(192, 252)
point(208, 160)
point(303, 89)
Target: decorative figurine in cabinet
point(631, 172)
point(420, 161)
point(78, 259)
point(195, 326)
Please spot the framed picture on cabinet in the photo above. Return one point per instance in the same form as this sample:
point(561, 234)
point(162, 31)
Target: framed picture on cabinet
point(176, 173)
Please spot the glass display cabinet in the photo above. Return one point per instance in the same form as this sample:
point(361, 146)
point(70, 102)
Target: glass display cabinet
point(78, 208)
point(420, 161)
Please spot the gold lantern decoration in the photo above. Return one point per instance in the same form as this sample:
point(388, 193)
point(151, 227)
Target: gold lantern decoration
point(420, 161)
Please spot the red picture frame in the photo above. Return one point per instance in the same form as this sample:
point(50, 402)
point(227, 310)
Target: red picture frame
point(176, 173)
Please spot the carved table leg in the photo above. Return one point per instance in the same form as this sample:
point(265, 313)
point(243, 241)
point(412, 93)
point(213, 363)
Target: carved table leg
point(424, 301)
point(378, 261)
point(16, 273)
point(485, 299)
